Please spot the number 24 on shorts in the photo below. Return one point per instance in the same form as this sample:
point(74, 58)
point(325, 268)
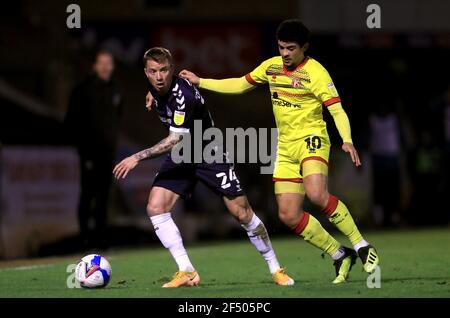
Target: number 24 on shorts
point(225, 178)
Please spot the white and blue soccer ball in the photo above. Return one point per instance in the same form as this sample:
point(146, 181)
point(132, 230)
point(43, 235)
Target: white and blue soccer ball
point(93, 271)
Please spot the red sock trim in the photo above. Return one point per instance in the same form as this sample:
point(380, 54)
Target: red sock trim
point(331, 205)
point(302, 224)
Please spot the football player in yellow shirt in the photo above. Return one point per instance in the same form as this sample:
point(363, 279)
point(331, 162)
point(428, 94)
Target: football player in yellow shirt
point(300, 87)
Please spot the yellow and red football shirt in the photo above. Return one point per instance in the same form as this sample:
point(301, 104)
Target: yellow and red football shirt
point(298, 96)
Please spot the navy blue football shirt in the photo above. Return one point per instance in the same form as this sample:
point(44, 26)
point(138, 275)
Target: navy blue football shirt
point(182, 104)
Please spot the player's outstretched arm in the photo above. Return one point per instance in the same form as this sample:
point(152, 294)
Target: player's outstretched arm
point(164, 146)
point(238, 85)
point(343, 125)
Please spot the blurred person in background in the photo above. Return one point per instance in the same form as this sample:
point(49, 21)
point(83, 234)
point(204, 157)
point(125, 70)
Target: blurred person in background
point(426, 171)
point(385, 148)
point(433, 152)
point(92, 123)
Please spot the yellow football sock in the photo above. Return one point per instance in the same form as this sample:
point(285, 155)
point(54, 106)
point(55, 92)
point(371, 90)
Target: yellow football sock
point(312, 231)
point(339, 215)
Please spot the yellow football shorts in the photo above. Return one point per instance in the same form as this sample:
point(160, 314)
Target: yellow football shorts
point(308, 155)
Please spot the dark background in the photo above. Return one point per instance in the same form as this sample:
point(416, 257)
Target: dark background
point(400, 69)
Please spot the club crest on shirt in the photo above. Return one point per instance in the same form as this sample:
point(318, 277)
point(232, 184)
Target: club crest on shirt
point(296, 82)
point(178, 117)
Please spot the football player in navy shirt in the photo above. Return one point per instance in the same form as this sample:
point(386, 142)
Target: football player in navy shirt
point(179, 104)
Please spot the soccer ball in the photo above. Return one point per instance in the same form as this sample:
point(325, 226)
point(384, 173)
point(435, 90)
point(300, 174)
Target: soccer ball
point(93, 271)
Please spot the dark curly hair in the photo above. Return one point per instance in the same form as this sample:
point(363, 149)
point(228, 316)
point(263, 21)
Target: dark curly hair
point(293, 30)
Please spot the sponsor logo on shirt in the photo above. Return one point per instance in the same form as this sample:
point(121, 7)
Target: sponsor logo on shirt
point(178, 117)
point(281, 102)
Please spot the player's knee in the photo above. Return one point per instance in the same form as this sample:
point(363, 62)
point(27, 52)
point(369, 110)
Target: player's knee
point(240, 208)
point(318, 196)
point(244, 215)
point(154, 207)
point(247, 216)
point(289, 217)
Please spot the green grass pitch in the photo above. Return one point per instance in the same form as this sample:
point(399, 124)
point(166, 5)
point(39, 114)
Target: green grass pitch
point(415, 263)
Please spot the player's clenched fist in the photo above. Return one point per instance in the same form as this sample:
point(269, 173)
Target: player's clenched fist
point(191, 77)
point(121, 169)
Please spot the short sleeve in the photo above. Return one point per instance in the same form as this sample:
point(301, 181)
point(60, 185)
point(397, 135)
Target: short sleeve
point(258, 75)
point(323, 87)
